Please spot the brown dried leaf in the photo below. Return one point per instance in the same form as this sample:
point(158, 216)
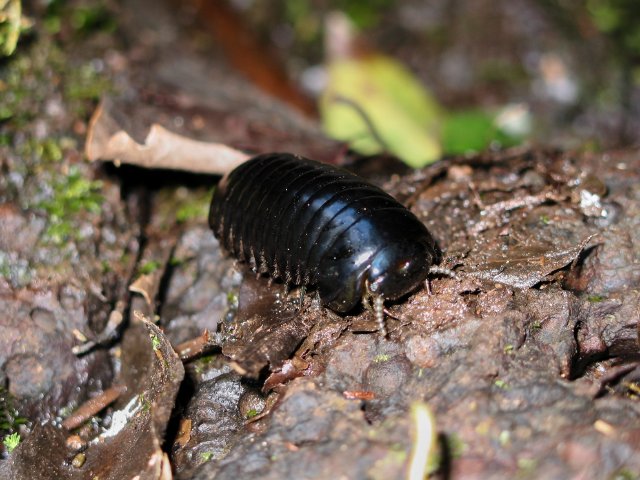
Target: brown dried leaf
point(528, 263)
point(106, 140)
point(143, 285)
point(269, 329)
point(288, 372)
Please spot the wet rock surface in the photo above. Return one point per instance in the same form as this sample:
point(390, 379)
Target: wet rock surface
point(529, 374)
point(525, 372)
point(201, 287)
point(51, 296)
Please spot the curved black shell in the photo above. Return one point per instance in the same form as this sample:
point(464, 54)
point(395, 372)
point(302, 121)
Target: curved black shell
point(318, 225)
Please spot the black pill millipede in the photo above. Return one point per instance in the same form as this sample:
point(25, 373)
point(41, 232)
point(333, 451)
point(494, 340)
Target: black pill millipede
point(312, 224)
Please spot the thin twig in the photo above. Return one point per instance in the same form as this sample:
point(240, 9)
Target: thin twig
point(92, 406)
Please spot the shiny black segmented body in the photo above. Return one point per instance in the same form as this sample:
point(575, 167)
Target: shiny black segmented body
point(314, 224)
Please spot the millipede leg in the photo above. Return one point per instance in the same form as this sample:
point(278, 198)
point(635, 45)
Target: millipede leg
point(366, 303)
point(378, 309)
point(438, 270)
point(375, 304)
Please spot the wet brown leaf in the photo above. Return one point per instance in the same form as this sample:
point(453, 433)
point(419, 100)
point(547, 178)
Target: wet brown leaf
point(269, 328)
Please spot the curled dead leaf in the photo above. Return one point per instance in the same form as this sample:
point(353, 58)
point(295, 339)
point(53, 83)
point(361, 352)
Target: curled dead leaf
point(143, 285)
point(107, 140)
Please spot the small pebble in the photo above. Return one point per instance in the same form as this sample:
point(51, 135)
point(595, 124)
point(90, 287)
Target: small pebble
point(78, 460)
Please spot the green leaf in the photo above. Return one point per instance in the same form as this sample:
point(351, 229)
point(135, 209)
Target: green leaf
point(473, 131)
point(149, 267)
point(155, 342)
point(375, 104)
point(11, 441)
point(468, 131)
point(10, 25)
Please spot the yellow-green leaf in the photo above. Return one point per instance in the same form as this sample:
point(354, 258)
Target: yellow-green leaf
point(375, 104)
point(10, 25)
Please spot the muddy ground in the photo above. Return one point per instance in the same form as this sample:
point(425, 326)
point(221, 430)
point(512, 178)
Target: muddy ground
point(132, 345)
